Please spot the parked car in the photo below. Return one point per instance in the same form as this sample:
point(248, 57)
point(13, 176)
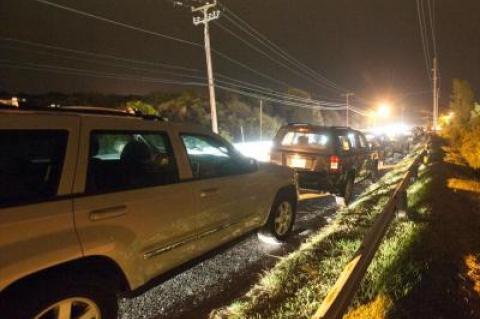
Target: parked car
point(400, 144)
point(378, 144)
point(327, 159)
point(94, 203)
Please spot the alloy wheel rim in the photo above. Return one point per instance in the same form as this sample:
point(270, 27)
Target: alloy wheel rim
point(71, 308)
point(283, 218)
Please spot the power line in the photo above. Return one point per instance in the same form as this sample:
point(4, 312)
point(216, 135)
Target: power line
point(105, 63)
point(142, 30)
point(360, 112)
point(329, 83)
point(268, 56)
point(262, 39)
point(154, 33)
point(116, 76)
point(431, 14)
point(429, 39)
point(76, 71)
point(232, 81)
point(265, 98)
point(120, 24)
point(423, 35)
point(99, 55)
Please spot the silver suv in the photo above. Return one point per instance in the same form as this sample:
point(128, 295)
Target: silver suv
point(94, 203)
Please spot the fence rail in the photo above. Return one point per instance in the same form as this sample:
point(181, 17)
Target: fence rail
point(341, 294)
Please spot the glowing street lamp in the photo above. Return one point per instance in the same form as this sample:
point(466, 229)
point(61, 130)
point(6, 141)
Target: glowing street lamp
point(383, 110)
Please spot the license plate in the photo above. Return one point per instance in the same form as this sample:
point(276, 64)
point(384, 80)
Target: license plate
point(298, 162)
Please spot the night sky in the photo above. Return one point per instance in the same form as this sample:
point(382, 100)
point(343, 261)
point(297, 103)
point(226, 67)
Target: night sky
point(371, 47)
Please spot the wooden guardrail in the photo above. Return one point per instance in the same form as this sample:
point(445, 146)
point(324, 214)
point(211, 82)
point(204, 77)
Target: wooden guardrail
point(341, 294)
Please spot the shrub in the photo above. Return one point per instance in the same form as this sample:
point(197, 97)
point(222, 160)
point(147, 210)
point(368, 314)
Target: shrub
point(470, 146)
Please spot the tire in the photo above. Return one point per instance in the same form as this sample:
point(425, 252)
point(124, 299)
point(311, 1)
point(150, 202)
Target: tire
point(282, 217)
point(41, 298)
point(347, 191)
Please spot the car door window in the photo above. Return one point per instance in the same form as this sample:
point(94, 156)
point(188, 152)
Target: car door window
point(127, 160)
point(362, 141)
point(31, 162)
point(353, 142)
point(210, 157)
point(344, 143)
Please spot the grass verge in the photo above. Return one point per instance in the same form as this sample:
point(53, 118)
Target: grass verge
point(296, 285)
point(393, 273)
point(428, 265)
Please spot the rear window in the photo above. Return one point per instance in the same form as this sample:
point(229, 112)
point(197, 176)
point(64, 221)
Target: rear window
point(316, 140)
point(31, 162)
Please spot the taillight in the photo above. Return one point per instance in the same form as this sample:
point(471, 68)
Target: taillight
point(276, 157)
point(335, 163)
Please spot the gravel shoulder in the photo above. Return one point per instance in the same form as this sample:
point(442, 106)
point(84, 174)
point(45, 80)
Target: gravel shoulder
point(207, 284)
point(229, 272)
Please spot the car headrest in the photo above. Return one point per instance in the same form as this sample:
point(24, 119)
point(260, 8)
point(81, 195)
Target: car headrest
point(136, 151)
point(303, 140)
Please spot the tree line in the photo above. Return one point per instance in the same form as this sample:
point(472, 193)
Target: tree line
point(462, 123)
point(238, 116)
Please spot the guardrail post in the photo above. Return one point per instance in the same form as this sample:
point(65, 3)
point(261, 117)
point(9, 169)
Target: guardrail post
point(414, 173)
point(401, 204)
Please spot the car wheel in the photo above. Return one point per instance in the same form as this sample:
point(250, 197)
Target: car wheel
point(63, 299)
point(347, 193)
point(281, 219)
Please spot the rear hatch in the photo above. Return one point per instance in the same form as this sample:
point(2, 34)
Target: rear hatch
point(303, 148)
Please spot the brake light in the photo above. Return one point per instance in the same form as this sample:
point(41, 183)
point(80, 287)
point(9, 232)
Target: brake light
point(335, 163)
point(276, 157)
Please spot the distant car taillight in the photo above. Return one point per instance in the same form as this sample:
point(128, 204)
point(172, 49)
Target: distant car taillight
point(335, 163)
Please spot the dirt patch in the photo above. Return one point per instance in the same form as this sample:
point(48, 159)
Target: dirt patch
point(373, 310)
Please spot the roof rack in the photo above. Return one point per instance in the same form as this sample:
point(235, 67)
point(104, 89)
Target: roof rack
point(296, 123)
point(86, 110)
point(340, 126)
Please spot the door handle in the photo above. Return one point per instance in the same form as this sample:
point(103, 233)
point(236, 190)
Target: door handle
point(107, 213)
point(208, 192)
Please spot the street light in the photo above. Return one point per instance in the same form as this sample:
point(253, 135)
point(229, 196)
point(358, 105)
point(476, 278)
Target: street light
point(383, 110)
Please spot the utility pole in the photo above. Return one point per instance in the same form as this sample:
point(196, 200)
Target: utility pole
point(347, 96)
point(261, 120)
point(435, 94)
point(207, 16)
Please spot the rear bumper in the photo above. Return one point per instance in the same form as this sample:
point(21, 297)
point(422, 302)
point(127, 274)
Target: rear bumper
point(318, 181)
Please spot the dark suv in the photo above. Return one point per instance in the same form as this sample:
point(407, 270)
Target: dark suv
point(327, 159)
